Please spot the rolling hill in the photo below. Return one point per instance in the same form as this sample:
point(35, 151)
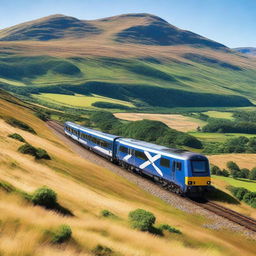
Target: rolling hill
point(27, 229)
point(247, 50)
point(137, 58)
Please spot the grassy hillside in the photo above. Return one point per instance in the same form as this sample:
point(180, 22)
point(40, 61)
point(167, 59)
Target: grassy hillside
point(125, 58)
point(26, 229)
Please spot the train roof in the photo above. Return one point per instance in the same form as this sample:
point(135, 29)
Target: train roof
point(173, 152)
point(95, 132)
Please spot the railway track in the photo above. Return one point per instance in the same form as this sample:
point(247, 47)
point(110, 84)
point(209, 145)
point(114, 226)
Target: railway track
point(217, 209)
point(229, 214)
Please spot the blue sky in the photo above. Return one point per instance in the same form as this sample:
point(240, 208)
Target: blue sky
point(231, 22)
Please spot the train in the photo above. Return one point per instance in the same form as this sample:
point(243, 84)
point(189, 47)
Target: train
point(183, 172)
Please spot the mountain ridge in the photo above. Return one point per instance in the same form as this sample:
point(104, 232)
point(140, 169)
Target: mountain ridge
point(149, 29)
point(93, 61)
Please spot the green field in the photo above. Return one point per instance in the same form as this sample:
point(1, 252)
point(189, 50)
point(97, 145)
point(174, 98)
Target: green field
point(218, 137)
point(219, 114)
point(248, 184)
point(78, 100)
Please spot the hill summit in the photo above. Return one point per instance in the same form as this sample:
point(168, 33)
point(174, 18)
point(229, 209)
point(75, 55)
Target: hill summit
point(140, 28)
point(49, 28)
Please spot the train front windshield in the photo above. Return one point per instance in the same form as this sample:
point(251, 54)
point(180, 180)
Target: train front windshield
point(199, 167)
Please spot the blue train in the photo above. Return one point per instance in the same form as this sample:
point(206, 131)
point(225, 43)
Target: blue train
point(181, 171)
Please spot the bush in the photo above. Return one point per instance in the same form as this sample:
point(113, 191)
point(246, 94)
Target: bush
point(62, 234)
point(42, 115)
point(17, 123)
point(16, 136)
point(38, 153)
point(214, 169)
point(249, 197)
point(107, 213)
point(252, 174)
point(240, 193)
point(253, 202)
point(27, 149)
point(42, 154)
point(245, 173)
point(101, 250)
point(102, 104)
point(232, 166)
point(142, 220)
point(45, 196)
point(169, 228)
point(225, 173)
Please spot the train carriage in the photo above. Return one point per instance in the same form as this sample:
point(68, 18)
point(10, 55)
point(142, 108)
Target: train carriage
point(181, 171)
point(101, 143)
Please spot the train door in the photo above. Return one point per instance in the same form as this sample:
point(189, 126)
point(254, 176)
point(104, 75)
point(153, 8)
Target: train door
point(176, 169)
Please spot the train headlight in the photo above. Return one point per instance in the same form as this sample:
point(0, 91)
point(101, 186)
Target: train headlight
point(208, 182)
point(190, 183)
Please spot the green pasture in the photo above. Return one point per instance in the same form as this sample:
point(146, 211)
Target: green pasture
point(218, 137)
point(219, 114)
point(245, 183)
point(78, 100)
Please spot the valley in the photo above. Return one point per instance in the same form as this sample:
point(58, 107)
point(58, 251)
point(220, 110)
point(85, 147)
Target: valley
point(139, 77)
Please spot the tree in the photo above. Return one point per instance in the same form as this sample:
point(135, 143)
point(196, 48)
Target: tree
point(245, 173)
point(214, 169)
point(234, 169)
point(225, 173)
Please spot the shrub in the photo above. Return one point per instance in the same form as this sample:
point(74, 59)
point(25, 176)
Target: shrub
point(38, 153)
point(17, 123)
point(45, 196)
point(107, 213)
point(16, 136)
point(101, 250)
point(169, 228)
point(252, 174)
point(102, 104)
point(62, 234)
point(225, 173)
point(240, 193)
point(253, 202)
point(248, 197)
point(42, 115)
point(245, 173)
point(214, 169)
point(27, 149)
point(142, 220)
point(232, 166)
point(42, 154)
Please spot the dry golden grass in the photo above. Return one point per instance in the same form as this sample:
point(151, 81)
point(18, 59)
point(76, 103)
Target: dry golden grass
point(86, 189)
point(243, 160)
point(178, 122)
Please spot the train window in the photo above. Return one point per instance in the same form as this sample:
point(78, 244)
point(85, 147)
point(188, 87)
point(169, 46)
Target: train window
point(165, 162)
point(123, 149)
point(177, 166)
point(140, 155)
point(199, 166)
